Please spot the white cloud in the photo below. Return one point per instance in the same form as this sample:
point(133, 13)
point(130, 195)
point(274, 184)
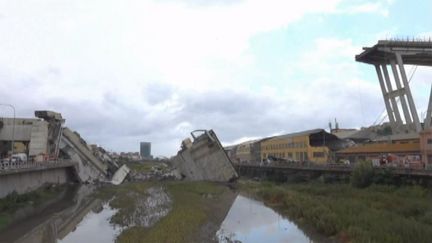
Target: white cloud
point(380, 7)
point(126, 71)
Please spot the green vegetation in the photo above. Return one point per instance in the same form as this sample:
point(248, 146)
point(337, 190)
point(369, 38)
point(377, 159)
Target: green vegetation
point(192, 206)
point(124, 198)
point(379, 213)
point(145, 167)
point(13, 202)
point(363, 174)
point(140, 167)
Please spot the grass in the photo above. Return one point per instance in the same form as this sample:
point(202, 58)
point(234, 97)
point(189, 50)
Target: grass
point(374, 214)
point(190, 210)
point(145, 167)
point(13, 202)
point(124, 198)
point(141, 167)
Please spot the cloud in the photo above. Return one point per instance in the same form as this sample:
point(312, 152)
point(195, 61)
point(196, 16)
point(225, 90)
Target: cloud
point(368, 7)
point(125, 72)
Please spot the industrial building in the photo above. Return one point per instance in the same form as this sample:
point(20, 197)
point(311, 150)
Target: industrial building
point(248, 152)
point(313, 145)
point(401, 151)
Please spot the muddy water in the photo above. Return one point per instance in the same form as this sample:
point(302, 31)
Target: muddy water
point(250, 221)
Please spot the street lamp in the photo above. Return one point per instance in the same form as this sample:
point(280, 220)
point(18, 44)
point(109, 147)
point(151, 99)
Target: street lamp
point(13, 126)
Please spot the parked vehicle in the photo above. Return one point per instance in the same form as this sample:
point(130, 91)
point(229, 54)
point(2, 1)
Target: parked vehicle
point(20, 157)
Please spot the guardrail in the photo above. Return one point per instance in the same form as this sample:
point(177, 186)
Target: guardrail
point(335, 167)
point(6, 165)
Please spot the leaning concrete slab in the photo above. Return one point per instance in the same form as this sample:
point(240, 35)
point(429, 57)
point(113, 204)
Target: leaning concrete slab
point(90, 167)
point(204, 159)
point(120, 175)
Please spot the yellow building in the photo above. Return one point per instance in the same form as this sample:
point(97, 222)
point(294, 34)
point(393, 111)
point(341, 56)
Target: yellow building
point(398, 150)
point(312, 145)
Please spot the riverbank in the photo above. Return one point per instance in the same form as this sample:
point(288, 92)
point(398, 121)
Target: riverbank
point(188, 212)
point(15, 207)
point(374, 214)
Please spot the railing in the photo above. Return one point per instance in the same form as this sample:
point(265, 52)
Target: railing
point(6, 165)
point(299, 164)
point(336, 167)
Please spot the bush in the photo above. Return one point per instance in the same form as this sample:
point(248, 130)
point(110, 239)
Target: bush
point(362, 175)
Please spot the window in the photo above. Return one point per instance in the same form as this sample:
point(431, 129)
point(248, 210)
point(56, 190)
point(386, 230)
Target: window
point(429, 141)
point(318, 154)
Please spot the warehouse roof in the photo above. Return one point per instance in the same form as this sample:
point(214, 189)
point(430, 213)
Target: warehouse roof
point(298, 134)
point(382, 148)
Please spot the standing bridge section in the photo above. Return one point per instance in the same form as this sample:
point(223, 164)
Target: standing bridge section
point(395, 85)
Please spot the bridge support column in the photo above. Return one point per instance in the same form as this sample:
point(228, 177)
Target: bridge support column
point(408, 93)
point(385, 91)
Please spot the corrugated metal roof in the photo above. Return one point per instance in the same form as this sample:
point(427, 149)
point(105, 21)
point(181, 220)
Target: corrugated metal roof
point(403, 136)
point(297, 134)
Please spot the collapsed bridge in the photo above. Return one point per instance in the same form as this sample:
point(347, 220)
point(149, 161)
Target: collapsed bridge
point(35, 151)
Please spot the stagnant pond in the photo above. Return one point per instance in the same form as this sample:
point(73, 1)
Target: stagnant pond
point(90, 220)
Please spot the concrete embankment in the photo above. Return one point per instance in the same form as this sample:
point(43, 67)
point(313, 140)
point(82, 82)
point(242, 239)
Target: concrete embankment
point(24, 180)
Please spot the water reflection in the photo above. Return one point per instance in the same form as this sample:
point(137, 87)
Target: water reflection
point(77, 216)
point(251, 221)
point(94, 227)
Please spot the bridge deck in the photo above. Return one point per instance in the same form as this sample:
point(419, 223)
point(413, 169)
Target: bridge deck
point(7, 168)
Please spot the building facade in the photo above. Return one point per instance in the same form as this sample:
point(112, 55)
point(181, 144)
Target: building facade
point(426, 147)
point(145, 150)
point(312, 145)
point(396, 150)
point(244, 152)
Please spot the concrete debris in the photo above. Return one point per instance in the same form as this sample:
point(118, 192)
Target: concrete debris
point(45, 139)
point(94, 162)
point(120, 175)
point(204, 158)
point(39, 138)
point(55, 122)
point(90, 167)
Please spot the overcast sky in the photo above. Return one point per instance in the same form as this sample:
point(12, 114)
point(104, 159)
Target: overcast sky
point(121, 72)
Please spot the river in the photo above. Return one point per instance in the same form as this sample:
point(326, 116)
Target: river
point(79, 217)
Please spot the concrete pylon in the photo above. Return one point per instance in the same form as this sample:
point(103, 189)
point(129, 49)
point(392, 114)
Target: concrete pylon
point(427, 122)
point(385, 91)
point(412, 108)
point(396, 54)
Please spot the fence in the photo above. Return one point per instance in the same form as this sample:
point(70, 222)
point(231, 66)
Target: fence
point(17, 164)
